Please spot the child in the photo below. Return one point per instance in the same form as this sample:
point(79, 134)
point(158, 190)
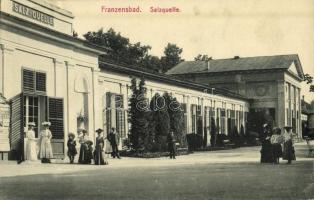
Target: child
point(71, 147)
point(276, 140)
point(89, 152)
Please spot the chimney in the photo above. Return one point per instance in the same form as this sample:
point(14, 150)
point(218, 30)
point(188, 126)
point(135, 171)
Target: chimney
point(208, 65)
point(236, 57)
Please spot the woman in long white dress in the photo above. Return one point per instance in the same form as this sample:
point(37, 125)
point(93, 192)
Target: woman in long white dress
point(45, 143)
point(31, 144)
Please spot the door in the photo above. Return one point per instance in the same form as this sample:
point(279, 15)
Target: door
point(55, 117)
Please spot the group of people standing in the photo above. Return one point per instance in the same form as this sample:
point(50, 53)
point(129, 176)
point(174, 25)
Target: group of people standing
point(276, 145)
point(87, 152)
point(42, 148)
point(44, 143)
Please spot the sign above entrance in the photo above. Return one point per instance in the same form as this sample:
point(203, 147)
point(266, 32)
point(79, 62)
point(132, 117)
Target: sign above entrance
point(32, 13)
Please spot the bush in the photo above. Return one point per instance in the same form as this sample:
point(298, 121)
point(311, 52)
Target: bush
point(195, 141)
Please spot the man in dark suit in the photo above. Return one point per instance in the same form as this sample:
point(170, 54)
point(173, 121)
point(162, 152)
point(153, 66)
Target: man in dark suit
point(171, 145)
point(113, 138)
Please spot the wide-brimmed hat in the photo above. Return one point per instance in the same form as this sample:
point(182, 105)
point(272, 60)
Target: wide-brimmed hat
point(31, 124)
point(71, 134)
point(46, 124)
point(89, 142)
point(99, 130)
point(287, 127)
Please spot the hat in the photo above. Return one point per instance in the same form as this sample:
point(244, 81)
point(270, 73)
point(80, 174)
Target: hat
point(99, 130)
point(71, 134)
point(31, 124)
point(288, 127)
point(46, 124)
point(88, 142)
point(84, 131)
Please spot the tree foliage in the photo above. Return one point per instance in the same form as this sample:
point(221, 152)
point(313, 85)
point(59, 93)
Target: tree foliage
point(309, 80)
point(138, 114)
point(176, 117)
point(119, 49)
point(203, 57)
point(172, 57)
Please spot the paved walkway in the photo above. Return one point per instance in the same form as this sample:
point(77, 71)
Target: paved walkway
point(239, 155)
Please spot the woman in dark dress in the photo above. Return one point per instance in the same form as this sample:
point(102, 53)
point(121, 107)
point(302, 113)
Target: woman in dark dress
point(288, 149)
point(267, 149)
point(99, 149)
point(71, 147)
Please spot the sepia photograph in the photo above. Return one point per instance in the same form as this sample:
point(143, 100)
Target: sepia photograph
point(157, 99)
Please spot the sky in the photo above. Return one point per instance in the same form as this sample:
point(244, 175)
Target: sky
point(218, 28)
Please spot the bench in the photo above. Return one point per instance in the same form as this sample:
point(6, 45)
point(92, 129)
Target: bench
point(310, 145)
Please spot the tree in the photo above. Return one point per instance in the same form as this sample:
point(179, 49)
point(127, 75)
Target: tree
point(118, 48)
point(151, 62)
point(161, 119)
point(172, 57)
point(309, 80)
point(176, 116)
point(201, 57)
point(138, 114)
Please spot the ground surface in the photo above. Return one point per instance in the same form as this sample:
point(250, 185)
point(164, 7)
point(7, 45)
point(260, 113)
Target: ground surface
point(232, 174)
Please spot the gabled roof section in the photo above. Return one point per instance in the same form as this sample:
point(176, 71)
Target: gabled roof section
point(239, 64)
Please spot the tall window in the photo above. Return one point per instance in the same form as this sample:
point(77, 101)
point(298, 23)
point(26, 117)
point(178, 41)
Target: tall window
point(218, 127)
point(233, 119)
point(115, 113)
point(30, 112)
point(193, 117)
point(223, 121)
point(185, 118)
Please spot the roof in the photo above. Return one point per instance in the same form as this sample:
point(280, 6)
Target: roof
point(108, 64)
point(21, 24)
point(238, 64)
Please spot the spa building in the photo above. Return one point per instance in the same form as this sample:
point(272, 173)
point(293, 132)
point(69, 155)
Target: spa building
point(47, 74)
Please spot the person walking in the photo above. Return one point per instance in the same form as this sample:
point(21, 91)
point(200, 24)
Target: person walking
point(45, 152)
point(276, 140)
point(71, 147)
point(288, 149)
point(99, 149)
point(113, 138)
point(31, 144)
point(171, 145)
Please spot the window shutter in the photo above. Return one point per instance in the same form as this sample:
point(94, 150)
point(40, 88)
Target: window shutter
point(16, 125)
point(40, 82)
point(28, 81)
point(55, 108)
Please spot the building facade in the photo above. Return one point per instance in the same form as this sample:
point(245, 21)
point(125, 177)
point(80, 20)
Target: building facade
point(48, 75)
point(272, 83)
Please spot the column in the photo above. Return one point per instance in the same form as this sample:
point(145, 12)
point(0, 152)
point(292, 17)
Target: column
point(1, 69)
point(97, 100)
point(281, 102)
point(188, 113)
point(6, 63)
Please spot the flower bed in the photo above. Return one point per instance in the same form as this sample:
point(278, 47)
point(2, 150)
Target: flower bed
point(142, 154)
